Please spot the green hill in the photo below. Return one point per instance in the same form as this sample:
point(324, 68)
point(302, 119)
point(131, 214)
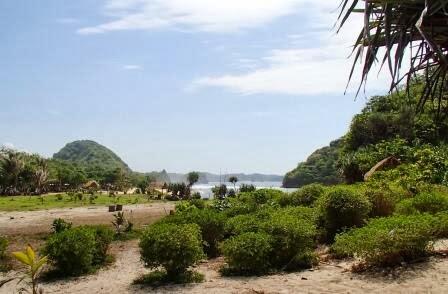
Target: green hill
point(320, 167)
point(91, 154)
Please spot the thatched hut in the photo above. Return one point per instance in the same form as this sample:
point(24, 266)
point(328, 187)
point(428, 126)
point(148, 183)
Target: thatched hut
point(91, 185)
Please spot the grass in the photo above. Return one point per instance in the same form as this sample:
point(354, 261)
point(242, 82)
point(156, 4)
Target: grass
point(30, 203)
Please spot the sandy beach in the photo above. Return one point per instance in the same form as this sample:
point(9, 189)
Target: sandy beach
point(332, 277)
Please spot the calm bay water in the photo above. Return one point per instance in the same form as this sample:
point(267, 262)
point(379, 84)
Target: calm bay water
point(206, 189)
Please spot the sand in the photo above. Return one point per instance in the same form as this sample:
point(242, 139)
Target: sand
point(332, 277)
point(37, 222)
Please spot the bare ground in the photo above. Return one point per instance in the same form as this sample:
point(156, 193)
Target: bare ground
point(332, 277)
point(39, 222)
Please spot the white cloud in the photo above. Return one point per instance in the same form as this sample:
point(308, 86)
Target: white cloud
point(315, 62)
point(202, 15)
point(132, 67)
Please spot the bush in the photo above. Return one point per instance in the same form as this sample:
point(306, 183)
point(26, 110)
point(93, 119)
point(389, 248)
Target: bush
point(293, 240)
point(60, 225)
point(3, 246)
point(383, 201)
point(441, 225)
point(247, 188)
point(72, 251)
point(211, 226)
point(343, 209)
point(78, 250)
point(248, 253)
point(260, 197)
point(423, 203)
point(307, 195)
point(174, 247)
point(242, 224)
point(103, 238)
point(387, 241)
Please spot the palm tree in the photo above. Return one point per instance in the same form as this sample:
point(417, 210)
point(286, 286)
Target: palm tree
point(233, 180)
point(398, 25)
point(11, 165)
point(40, 175)
point(192, 178)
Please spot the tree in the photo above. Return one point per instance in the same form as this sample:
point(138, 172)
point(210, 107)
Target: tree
point(233, 180)
point(11, 165)
point(396, 26)
point(192, 178)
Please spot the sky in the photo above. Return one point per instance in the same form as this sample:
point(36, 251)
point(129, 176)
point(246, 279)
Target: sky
point(231, 86)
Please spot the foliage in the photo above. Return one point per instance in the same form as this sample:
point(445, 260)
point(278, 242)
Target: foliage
point(342, 209)
point(192, 178)
point(320, 167)
point(293, 239)
point(247, 188)
point(383, 198)
point(173, 247)
point(78, 250)
point(248, 253)
point(307, 195)
point(219, 192)
point(387, 241)
point(60, 225)
point(210, 222)
point(103, 238)
point(33, 265)
point(391, 28)
point(120, 223)
point(90, 153)
point(426, 202)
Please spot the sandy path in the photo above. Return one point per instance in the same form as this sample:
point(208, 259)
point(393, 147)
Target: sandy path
point(36, 222)
point(428, 277)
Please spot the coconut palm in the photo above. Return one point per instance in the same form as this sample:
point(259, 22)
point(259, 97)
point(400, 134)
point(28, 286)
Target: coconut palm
point(394, 26)
point(40, 175)
point(233, 180)
point(11, 165)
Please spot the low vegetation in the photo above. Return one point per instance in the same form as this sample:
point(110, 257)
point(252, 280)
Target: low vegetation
point(173, 247)
point(80, 250)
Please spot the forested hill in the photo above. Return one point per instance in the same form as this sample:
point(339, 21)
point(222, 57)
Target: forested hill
point(319, 167)
point(388, 126)
point(91, 154)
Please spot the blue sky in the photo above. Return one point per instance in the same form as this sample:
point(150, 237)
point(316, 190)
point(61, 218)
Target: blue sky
point(237, 86)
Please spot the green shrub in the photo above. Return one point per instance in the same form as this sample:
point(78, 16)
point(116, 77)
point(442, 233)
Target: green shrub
point(60, 225)
point(198, 202)
point(3, 246)
point(247, 188)
point(307, 195)
point(423, 202)
point(242, 224)
point(79, 250)
point(237, 207)
point(174, 247)
point(383, 201)
point(210, 222)
point(343, 209)
point(293, 238)
point(72, 251)
point(261, 197)
point(440, 226)
point(248, 253)
point(387, 241)
point(103, 238)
